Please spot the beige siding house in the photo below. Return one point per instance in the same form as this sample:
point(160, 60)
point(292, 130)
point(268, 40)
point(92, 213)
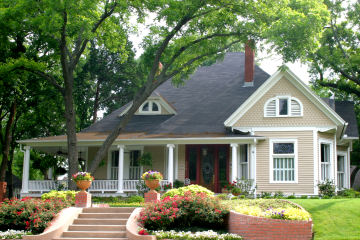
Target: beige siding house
point(221, 126)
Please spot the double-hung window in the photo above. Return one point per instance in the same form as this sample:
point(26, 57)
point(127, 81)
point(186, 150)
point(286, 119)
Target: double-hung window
point(283, 161)
point(243, 163)
point(341, 171)
point(325, 151)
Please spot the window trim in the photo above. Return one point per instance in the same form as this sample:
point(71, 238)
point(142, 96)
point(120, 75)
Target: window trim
point(271, 158)
point(151, 102)
point(331, 163)
point(277, 98)
point(343, 154)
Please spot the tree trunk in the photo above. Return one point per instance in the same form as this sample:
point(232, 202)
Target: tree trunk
point(70, 128)
point(7, 142)
point(96, 101)
point(9, 174)
point(101, 153)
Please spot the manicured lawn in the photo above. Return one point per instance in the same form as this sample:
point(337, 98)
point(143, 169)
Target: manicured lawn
point(334, 218)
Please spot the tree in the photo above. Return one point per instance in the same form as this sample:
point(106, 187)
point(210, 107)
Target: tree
point(106, 81)
point(336, 64)
point(184, 35)
point(198, 32)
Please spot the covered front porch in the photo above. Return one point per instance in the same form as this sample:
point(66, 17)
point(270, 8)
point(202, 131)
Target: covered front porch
point(211, 163)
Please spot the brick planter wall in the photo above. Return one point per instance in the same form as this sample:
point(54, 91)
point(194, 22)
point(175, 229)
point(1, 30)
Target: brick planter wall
point(251, 227)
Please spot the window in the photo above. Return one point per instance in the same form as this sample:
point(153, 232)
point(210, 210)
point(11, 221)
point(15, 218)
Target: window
point(340, 171)
point(243, 164)
point(283, 161)
point(283, 106)
point(134, 165)
point(150, 107)
point(325, 161)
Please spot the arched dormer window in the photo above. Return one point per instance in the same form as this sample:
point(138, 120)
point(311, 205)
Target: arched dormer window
point(283, 106)
point(150, 107)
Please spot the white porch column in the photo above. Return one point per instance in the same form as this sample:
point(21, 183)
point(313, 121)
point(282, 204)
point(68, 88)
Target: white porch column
point(234, 161)
point(171, 163)
point(26, 166)
point(50, 173)
point(253, 165)
point(121, 169)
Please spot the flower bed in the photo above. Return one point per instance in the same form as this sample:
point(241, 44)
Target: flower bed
point(206, 235)
point(29, 214)
point(13, 234)
point(180, 212)
point(270, 219)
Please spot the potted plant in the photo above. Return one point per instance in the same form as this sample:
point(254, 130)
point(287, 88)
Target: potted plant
point(152, 179)
point(83, 180)
point(236, 191)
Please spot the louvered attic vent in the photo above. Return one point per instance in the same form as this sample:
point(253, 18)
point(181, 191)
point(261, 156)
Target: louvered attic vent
point(283, 106)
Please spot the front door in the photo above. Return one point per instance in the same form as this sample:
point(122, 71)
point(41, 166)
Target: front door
point(207, 165)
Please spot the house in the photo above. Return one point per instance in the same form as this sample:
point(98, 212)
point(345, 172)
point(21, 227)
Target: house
point(230, 120)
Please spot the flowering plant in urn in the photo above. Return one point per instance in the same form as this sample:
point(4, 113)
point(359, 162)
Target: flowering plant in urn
point(82, 176)
point(152, 175)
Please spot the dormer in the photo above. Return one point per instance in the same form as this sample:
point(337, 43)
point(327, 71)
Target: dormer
point(154, 105)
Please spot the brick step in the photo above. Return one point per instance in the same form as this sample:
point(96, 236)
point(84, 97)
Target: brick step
point(109, 210)
point(104, 215)
point(92, 221)
point(94, 234)
point(77, 227)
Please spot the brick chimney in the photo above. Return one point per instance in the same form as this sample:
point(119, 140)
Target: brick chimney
point(249, 65)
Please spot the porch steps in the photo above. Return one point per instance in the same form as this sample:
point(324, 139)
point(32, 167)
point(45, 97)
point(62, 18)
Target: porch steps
point(99, 224)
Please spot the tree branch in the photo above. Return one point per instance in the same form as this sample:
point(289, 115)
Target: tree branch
point(191, 61)
point(102, 18)
point(183, 48)
point(51, 79)
point(341, 87)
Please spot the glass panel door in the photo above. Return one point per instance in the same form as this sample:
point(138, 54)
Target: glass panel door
point(207, 173)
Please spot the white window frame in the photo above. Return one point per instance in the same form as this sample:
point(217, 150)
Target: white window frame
point(150, 102)
point(243, 164)
point(126, 150)
point(342, 154)
point(272, 155)
point(277, 104)
point(331, 162)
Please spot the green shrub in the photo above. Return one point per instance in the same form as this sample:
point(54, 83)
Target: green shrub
point(278, 194)
point(349, 193)
point(179, 212)
point(178, 183)
point(291, 196)
point(64, 195)
point(327, 188)
point(135, 199)
point(314, 197)
point(222, 196)
point(265, 195)
point(194, 189)
point(304, 197)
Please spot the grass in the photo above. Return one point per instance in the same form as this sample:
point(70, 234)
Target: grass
point(333, 218)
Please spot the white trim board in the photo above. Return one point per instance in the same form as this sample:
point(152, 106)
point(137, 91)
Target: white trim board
point(269, 83)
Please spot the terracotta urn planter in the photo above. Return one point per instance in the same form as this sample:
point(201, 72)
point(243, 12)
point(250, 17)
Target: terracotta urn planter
point(2, 190)
point(83, 184)
point(152, 184)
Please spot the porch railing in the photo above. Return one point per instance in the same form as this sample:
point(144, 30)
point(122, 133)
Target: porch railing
point(96, 186)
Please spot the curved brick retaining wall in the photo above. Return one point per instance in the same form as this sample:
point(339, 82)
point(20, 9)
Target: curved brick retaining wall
point(251, 227)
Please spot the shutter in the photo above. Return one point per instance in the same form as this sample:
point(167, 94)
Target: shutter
point(270, 110)
point(295, 108)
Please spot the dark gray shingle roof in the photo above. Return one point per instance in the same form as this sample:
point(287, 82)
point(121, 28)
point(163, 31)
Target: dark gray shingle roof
point(206, 100)
point(346, 110)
